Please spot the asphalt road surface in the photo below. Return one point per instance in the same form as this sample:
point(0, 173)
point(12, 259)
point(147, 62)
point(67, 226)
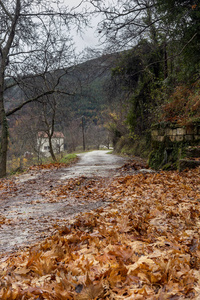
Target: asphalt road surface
point(95, 163)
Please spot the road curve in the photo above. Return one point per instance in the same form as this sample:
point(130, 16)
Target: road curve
point(94, 163)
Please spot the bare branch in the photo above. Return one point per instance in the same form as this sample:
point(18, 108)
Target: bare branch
point(34, 99)
point(6, 11)
point(12, 30)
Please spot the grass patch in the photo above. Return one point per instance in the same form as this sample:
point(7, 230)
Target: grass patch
point(68, 158)
point(110, 152)
point(16, 168)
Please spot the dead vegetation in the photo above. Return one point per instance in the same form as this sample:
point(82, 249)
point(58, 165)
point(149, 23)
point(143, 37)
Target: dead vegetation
point(143, 245)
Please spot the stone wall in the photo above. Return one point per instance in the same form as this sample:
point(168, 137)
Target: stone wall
point(170, 142)
point(175, 133)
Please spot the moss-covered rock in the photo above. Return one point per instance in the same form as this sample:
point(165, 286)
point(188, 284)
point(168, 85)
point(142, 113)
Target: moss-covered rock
point(187, 164)
point(165, 155)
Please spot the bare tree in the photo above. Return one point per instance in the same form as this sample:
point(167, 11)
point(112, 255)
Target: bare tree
point(48, 118)
point(123, 22)
point(32, 34)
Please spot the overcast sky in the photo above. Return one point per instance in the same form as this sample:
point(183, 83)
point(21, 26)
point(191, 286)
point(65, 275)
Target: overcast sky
point(89, 37)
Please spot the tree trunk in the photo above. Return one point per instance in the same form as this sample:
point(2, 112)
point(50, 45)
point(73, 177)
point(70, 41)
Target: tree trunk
point(83, 133)
point(4, 52)
point(4, 139)
point(51, 150)
point(165, 61)
point(3, 124)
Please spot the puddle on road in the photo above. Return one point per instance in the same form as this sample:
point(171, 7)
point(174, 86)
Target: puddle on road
point(38, 223)
point(26, 177)
point(91, 171)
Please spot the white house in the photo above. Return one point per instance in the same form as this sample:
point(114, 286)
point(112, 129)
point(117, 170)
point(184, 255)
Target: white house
point(43, 143)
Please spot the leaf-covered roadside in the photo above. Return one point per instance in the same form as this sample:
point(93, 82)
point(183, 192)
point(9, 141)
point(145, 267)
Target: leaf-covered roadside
point(143, 245)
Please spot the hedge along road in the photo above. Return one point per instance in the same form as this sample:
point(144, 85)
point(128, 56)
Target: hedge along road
point(32, 204)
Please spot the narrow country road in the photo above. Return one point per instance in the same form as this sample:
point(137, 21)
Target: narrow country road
point(95, 163)
point(33, 204)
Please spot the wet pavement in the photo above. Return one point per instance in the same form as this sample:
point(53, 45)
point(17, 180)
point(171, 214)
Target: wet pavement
point(95, 163)
point(29, 212)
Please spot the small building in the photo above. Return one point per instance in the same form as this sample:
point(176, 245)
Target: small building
point(43, 143)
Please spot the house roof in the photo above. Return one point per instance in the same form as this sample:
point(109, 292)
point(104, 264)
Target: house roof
point(56, 134)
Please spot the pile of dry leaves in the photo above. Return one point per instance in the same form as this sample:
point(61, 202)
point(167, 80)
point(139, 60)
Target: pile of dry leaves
point(143, 245)
point(54, 165)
